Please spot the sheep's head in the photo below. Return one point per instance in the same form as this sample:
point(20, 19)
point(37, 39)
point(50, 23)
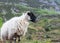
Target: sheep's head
point(32, 16)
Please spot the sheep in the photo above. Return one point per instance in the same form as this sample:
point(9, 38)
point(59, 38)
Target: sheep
point(16, 27)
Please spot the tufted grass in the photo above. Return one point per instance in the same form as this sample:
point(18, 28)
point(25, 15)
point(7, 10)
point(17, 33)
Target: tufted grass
point(36, 41)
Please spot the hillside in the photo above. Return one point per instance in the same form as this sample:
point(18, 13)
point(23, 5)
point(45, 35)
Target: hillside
point(47, 11)
point(43, 4)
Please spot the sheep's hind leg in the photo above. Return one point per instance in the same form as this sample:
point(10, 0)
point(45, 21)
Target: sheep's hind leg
point(4, 41)
point(14, 40)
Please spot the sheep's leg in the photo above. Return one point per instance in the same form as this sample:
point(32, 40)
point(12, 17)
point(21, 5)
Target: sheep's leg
point(14, 40)
point(3, 41)
point(10, 38)
point(10, 41)
point(18, 39)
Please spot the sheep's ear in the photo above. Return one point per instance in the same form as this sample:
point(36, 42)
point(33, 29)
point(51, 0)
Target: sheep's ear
point(30, 13)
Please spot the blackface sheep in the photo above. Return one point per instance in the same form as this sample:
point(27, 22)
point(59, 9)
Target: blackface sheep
point(16, 27)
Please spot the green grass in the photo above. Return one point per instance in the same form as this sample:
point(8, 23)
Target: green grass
point(1, 22)
point(37, 10)
point(47, 12)
point(36, 41)
point(33, 27)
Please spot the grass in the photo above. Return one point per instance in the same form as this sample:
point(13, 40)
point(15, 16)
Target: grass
point(36, 41)
point(42, 23)
point(1, 22)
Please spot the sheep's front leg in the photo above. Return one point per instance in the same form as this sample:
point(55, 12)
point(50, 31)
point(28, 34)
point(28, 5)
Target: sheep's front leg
point(10, 41)
point(18, 39)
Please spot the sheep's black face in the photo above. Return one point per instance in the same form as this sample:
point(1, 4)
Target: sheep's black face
point(32, 16)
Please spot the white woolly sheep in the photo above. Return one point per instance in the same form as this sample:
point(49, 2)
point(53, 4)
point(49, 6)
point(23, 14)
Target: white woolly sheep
point(16, 27)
